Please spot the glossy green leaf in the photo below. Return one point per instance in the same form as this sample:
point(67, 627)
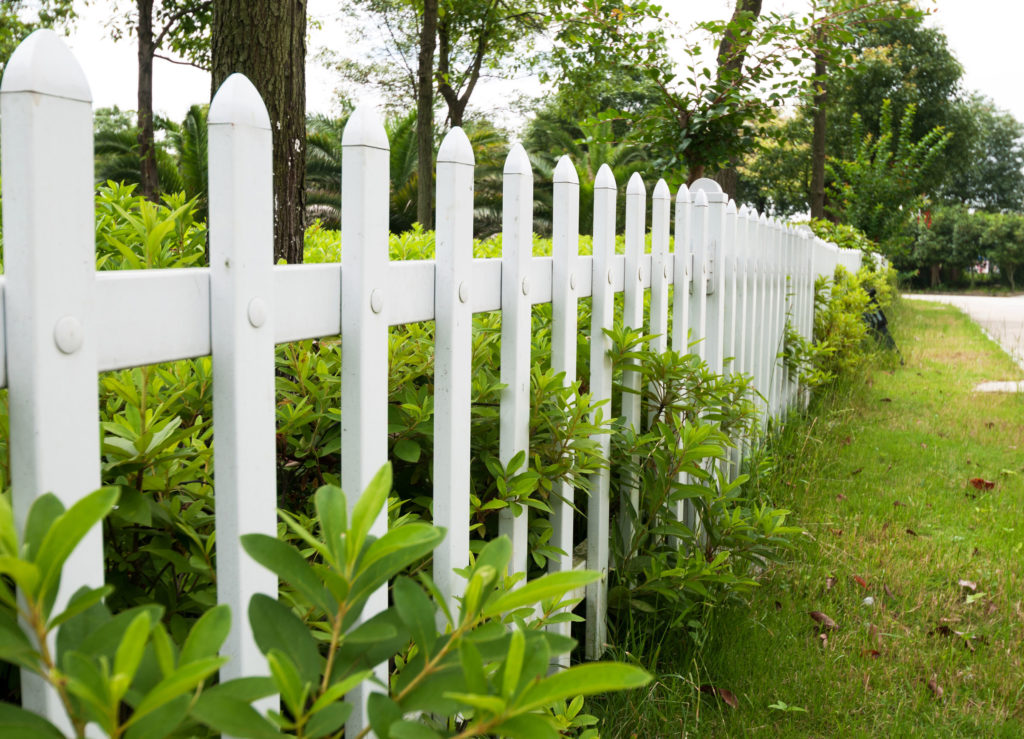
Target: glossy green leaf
point(331, 509)
point(585, 679)
point(17, 723)
point(527, 726)
point(8, 533)
point(337, 691)
point(43, 512)
point(513, 664)
point(382, 712)
point(129, 651)
point(366, 509)
point(328, 720)
point(285, 561)
point(163, 649)
point(289, 683)
point(207, 635)
point(183, 680)
point(83, 599)
point(275, 626)
point(412, 730)
point(490, 703)
point(417, 612)
point(232, 716)
point(64, 534)
point(552, 585)
point(472, 667)
point(15, 646)
point(407, 450)
point(25, 574)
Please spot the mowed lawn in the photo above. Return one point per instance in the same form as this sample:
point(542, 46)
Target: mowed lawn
point(911, 492)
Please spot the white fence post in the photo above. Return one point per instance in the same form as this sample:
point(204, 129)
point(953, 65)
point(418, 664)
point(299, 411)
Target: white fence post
point(514, 412)
point(661, 224)
point(699, 270)
point(453, 355)
point(51, 326)
point(242, 343)
point(602, 314)
point(632, 318)
point(364, 328)
point(714, 250)
point(681, 262)
point(564, 329)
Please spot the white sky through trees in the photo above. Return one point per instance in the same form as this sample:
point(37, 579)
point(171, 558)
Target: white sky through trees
point(984, 35)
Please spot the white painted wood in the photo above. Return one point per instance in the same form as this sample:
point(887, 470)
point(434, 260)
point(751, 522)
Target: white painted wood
point(50, 320)
point(3, 335)
point(681, 273)
point(242, 309)
point(682, 284)
point(602, 314)
point(729, 267)
point(514, 411)
point(714, 259)
point(564, 330)
point(742, 289)
point(660, 271)
point(698, 272)
point(453, 365)
point(364, 328)
point(632, 317)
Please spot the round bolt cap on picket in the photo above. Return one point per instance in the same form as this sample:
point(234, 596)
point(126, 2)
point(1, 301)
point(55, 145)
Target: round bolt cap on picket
point(376, 301)
point(526, 286)
point(463, 292)
point(572, 281)
point(67, 334)
point(257, 312)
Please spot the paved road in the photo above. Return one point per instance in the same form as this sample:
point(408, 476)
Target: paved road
point(1003, 318)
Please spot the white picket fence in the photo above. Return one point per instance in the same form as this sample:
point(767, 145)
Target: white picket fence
point(735, 275)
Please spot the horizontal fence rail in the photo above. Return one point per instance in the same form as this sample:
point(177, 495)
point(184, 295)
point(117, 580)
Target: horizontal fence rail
point(734, 276)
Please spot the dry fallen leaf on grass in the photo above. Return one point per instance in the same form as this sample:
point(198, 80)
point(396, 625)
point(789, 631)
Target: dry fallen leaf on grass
point(981, 484)
point(911, 532)
point(830, 582)
point(967, 584)
point(824, 620)
point(725, 695)
point(860, 581)
point(935, 688)
point(875, 634)
point(899, 504)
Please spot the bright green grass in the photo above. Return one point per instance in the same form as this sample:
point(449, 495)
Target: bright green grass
point(897, 454)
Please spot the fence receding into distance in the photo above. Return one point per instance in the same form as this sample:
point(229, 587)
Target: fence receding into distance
point(735, 277)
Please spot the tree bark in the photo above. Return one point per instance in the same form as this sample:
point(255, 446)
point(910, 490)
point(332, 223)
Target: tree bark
point(732, 52)
point(149, 183)
point(266, 41)
point(425, 116)
point(818, 136)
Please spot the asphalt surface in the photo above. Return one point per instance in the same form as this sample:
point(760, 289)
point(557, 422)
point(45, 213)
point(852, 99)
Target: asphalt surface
point(1002, 318)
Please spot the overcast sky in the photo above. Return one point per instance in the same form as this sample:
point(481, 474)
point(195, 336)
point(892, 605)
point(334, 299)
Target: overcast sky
point(984, 35)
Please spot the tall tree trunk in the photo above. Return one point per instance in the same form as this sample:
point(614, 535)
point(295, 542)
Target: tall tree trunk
point(732, 52)
point(818, 137)
point(149, 182)
point(425, 116)
point(266, 41)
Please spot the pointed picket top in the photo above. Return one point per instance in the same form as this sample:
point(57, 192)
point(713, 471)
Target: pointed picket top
point(661, 191)
point(683, 194)
point(730, 207)
point(365, 128)
point(43, 63)
point(605, 180)
point(701, 199)
point(635, 186)
point(763, 218)
point(744, 211)
point(238, 102)
point(456, 148)
point(517, 161)
point(565, 171)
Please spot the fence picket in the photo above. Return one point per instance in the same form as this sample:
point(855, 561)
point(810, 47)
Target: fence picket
point(242, 311)
point(602, 314)
point(453, 355)
point(514, 412)
point(364, 328)
point(51, 325)
point(632, 317)
point(564, 330)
